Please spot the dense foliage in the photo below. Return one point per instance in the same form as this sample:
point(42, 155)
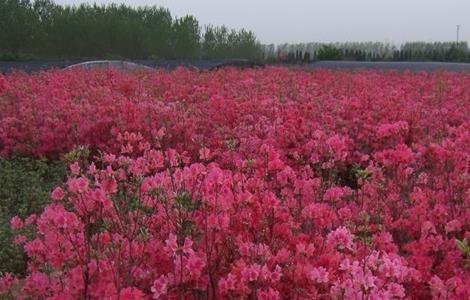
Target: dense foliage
point(369, 51)
point(328, 52)
point(220, 42)
point(25, 187)
point(43, 30)
point(255, 184)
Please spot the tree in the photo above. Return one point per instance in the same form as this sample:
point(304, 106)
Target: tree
point(46, 30)
point(17, 26)
point(186, 37)
point(329, 52)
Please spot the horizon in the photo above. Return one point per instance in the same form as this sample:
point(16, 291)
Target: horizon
point(362, 21)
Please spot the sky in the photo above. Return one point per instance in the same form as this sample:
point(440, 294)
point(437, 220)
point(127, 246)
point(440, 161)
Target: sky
point(293, 21)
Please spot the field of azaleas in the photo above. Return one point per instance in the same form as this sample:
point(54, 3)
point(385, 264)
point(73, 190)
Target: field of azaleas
point(244, 184)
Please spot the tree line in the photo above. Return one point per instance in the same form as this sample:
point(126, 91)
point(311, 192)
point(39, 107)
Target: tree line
point(41, 29)
point(368, 51)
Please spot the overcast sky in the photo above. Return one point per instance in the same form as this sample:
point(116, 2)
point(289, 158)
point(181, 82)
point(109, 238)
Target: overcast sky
point(276, 21)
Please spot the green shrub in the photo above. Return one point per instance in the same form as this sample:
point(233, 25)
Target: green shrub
point(25, 186)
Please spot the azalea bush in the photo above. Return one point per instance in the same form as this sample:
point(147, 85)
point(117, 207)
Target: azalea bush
point(255, 184)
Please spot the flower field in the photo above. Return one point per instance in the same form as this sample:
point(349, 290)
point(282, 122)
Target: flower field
point(244, 184)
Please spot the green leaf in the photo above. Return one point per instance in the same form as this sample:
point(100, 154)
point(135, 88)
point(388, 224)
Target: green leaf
point(183, 199)
point(462, 245)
